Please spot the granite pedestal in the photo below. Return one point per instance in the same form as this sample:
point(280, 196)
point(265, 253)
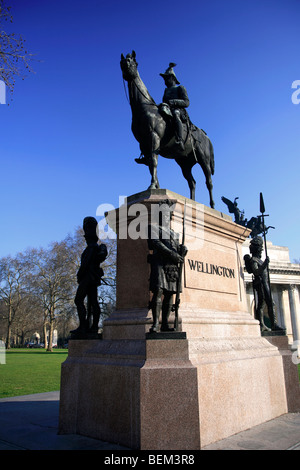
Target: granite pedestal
point(177, 393)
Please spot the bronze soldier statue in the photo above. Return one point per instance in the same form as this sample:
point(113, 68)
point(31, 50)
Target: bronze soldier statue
point(177, 99)
point(261, 287)
point(167, 254)
point(89, 278)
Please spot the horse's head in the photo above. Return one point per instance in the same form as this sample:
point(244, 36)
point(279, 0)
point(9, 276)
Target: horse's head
point(129, 66)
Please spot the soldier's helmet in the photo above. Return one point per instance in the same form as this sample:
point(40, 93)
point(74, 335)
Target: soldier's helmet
point(90, 227)
point(170, 72)
point(256, 244)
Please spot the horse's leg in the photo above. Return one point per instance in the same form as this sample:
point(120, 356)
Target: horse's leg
point(209, 186)
point(204, 162)
point(153, 171)
point(153, 159)
point(186, 168)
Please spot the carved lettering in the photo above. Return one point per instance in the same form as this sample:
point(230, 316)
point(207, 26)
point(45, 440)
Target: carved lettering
point(214, 269)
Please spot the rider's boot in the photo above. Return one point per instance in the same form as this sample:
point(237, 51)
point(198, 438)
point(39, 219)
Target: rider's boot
point(178, 132)
point(142, 160)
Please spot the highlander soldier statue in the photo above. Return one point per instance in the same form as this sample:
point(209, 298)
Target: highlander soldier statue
point(166, 258)
point(89, 277)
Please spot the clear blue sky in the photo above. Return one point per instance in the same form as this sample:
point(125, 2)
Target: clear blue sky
point(66, 144)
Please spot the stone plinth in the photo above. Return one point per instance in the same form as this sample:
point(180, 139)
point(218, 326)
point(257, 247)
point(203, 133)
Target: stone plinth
point(213, 291)
point(222, 379)
point(169, 397)
point(140, 394)
point(99, 386)
point(291, 376)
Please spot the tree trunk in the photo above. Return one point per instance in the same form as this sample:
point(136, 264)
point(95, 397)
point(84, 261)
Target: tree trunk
point(51, 325)
point(49, 348)
point(8, 336)
point(45, 334)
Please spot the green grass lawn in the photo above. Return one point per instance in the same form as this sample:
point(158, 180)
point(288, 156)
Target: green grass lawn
point(30, 371)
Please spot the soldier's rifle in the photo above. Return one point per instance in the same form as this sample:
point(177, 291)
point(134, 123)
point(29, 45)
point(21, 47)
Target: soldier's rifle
point(180, 269)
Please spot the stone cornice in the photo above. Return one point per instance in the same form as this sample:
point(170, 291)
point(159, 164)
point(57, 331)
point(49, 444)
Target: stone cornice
point(285, 270)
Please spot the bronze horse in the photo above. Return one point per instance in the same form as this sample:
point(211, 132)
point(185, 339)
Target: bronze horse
point(155, 134)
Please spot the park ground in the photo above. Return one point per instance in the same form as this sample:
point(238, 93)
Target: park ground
point(29, 371)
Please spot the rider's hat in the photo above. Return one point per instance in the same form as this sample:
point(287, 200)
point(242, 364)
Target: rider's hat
point(169, 72)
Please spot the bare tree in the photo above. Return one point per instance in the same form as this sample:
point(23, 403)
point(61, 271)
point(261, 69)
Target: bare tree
point(53, 282)
point(11, 294)
point(14, 58)
point(38, 287)
point(107, 290)
point(27, 320)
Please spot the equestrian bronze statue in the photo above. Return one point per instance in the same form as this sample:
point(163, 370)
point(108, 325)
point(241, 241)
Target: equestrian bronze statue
point(166, 129)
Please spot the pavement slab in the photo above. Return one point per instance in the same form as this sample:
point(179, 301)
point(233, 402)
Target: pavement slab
point(30, 422)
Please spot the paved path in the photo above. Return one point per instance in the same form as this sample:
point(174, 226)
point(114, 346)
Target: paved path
point(31, 422)
point(282, 433)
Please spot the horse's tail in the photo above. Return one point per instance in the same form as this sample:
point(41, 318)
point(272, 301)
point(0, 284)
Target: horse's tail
point(212, 158)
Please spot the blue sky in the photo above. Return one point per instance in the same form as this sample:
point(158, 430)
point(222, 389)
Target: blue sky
point(66, 144)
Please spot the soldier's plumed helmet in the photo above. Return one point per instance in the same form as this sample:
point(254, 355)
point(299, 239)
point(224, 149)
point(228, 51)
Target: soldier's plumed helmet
point(257, 241)
point(170, 72)
point(256, 244)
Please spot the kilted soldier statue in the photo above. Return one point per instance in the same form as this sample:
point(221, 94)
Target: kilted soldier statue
point(167, 254)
